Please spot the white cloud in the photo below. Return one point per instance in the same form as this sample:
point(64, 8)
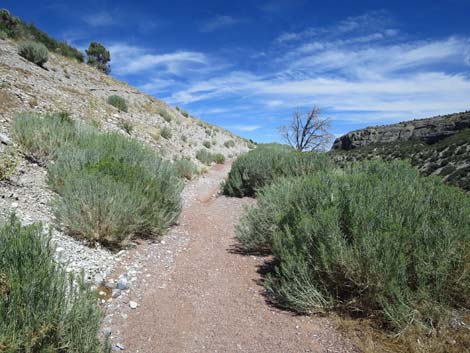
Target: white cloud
point(245, 128)
point(217, 22)
point(368, 74)
point(127, 59)
point(99, 19)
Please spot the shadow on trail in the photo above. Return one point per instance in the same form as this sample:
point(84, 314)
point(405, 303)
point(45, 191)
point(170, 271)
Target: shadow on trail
point(267, 267)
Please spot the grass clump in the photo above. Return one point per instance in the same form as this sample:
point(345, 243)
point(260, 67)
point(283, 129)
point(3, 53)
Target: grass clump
point(259, 167)
point(118, 102)
point(186, 168)
point(126, 126)
point(165, 114)
point(229, 144)
point(42, 136)
point(113, 189)
point(375, 240)
point(165, 132)
point(41, 309)
point(8, 162)
point(207, 158)
point(218, 158)
point(37, 53)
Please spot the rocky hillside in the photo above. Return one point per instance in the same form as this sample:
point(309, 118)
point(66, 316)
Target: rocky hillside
point(65, 85)
point(436, 146)
point(429, 131)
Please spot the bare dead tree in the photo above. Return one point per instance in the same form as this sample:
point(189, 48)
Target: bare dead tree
point(307, 132)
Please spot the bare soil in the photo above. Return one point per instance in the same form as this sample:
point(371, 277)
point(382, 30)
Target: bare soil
point(208, 298)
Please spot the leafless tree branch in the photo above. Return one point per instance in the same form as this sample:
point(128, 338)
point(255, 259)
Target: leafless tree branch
point(308, 132)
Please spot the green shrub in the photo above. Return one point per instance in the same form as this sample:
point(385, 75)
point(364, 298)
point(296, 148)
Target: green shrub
point(8, 162)
point(186, 168)
point(165, 114)
point(126, 126)
point(3, 35)
point(166, 133)
point(41, 136)
point(40, 308)
point(17, 29)
point(99, 57)
point(12, 26)
point(113, 189)
point(374, 240)
point(259, 167)
point(229, 144)
point(207, 158)
point(206, 144)
point(118, 102)
point(204, 156)
point(218, 158)
point(37, 53)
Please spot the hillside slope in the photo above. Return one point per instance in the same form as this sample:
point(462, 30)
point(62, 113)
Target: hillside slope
point(436, 146)
point(65, 85)
point(82, 91)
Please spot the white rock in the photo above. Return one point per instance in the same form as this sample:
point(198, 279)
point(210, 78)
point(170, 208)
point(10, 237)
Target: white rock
point(99, 280)
point(123, 284)
point(133, 305)
point(116, 293)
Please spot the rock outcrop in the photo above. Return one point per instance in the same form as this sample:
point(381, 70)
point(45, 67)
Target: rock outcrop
point(429, 131)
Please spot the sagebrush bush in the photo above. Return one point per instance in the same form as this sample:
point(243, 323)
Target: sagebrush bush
point(166, 133)
point(253, 170)
point(113, 189)
point(206, 157)
point(8, 162)
point(3, 35)
point(42, 308)
point(218, 158)
point(126, 126)
point(165, 114)
point(186, 168)
point(37, 53)
point(206, 144)
point(41, 136)
point(229, 144)
point(375, 240)
point(118, 102)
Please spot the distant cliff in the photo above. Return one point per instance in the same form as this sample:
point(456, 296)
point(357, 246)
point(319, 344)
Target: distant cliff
point(429, 131)
point(435, 146)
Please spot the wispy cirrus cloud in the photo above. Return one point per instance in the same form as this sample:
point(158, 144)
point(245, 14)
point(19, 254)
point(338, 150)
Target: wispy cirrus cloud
point(218, 22)
point(362, 69)
point(99, 19)
point(245, 128)
point(130, 59)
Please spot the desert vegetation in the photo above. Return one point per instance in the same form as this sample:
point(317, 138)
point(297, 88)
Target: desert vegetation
point(186, 168)
point(13, 27)
point(118, 102)
point(109, 188)
point(261, 166)
point(207, 158)
point(42, 308)
point(373, 240)
point(37, 53)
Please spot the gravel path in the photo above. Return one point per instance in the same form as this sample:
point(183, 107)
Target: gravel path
point(193, 294)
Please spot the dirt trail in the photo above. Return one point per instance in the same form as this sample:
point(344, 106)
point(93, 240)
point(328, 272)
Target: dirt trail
point(210, 299)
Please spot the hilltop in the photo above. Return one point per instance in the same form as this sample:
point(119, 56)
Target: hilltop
point(436, 146)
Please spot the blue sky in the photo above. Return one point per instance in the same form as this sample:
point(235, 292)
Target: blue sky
point(247, 65)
